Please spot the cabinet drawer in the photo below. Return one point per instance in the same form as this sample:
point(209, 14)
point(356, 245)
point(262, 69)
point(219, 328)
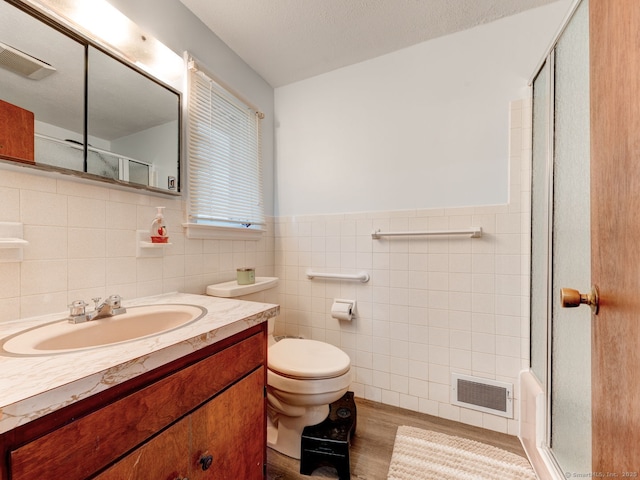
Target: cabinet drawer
point(88, 444)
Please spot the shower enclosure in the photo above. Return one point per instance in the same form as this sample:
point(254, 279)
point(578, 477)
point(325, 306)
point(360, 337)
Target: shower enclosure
point(561, 244)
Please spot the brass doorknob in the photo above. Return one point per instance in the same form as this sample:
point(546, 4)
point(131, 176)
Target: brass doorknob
point(570, 298)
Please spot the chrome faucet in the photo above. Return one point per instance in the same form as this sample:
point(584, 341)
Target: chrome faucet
point(110, 307)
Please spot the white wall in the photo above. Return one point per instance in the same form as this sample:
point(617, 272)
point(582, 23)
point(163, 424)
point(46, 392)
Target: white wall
point(434, 136)
point(419, 128)
point(433, 306)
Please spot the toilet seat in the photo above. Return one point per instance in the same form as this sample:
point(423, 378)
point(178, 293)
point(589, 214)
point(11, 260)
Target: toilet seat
point(304, 359)
point(302, 387)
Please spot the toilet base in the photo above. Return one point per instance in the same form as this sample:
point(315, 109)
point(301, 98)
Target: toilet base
point(284, 432)
point(327, 443)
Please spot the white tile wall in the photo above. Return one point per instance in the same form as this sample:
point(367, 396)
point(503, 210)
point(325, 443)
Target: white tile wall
point(82, 244)
point(433, 305)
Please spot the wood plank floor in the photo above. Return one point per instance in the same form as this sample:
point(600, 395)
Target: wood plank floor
point(372, 445)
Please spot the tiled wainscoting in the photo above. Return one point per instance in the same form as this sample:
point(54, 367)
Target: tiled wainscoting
point(82, 244)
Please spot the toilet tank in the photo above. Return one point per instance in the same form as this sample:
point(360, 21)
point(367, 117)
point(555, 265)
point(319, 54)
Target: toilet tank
point(263, 290)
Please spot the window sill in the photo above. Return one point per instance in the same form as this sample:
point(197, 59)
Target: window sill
point(210, 232)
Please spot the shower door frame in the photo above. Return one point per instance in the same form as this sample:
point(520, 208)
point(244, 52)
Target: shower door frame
point(548, 60)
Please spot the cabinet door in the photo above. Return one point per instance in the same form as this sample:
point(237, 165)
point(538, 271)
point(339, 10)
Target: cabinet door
point(165, 457)
point(230, 432)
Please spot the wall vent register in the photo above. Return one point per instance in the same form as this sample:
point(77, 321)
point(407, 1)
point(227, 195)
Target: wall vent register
point(488, 396)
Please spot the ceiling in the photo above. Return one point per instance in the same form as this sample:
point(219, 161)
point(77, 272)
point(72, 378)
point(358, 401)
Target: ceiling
point(289, 40)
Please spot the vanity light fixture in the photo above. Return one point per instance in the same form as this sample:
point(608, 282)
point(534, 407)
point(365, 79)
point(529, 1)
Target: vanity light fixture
point(105, 24)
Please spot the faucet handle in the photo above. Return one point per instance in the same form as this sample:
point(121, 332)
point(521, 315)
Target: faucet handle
point(114, 301)
point(77, 307)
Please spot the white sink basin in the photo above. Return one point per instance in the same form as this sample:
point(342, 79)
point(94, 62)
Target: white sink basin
point(136, 323)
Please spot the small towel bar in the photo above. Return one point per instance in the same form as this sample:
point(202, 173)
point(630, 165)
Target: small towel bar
point(362, 276)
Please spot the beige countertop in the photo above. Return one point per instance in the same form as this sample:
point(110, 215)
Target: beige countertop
point(33, 386)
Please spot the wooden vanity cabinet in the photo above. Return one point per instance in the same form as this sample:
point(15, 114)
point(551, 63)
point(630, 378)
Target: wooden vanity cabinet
point(199, 417)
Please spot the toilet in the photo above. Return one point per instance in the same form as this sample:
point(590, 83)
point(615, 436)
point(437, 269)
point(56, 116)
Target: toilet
point(303, 378)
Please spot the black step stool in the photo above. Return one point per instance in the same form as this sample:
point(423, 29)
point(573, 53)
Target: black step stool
point(327, 443)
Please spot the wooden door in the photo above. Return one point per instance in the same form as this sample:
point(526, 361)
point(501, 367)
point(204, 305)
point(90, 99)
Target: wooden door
point(615, 230)
point(228, 433)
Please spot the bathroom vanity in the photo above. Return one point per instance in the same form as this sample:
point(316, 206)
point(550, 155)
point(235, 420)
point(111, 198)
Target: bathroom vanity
point(188, 404)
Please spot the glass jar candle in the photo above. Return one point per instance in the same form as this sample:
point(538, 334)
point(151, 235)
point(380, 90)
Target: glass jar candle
point(246, 276)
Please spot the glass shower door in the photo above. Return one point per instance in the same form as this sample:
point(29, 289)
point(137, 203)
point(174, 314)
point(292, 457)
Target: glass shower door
point(570, 375)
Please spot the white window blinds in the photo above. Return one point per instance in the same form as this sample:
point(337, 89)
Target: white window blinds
point(225, 167)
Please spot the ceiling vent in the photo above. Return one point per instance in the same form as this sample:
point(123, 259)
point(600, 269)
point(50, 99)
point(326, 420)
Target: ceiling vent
point(23, 64)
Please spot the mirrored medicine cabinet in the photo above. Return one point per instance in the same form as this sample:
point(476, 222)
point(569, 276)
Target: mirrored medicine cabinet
point(69, 105)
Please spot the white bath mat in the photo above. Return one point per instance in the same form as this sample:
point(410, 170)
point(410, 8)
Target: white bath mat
point(425, 455)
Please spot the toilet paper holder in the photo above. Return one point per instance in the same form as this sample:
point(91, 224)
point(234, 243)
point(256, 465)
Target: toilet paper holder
point(343, 309)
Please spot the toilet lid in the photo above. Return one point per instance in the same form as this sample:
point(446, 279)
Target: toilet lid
point(301, 358)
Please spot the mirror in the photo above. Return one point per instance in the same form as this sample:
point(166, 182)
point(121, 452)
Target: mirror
point(53, 81)
point(54, 97)
point(134, 118)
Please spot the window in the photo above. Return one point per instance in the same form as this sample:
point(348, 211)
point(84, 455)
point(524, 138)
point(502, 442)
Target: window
point(225, 167)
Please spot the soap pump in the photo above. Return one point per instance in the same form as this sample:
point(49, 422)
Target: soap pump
point(158, 231)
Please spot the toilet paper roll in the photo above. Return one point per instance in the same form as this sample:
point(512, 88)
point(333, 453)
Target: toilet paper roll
point(342, 311)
